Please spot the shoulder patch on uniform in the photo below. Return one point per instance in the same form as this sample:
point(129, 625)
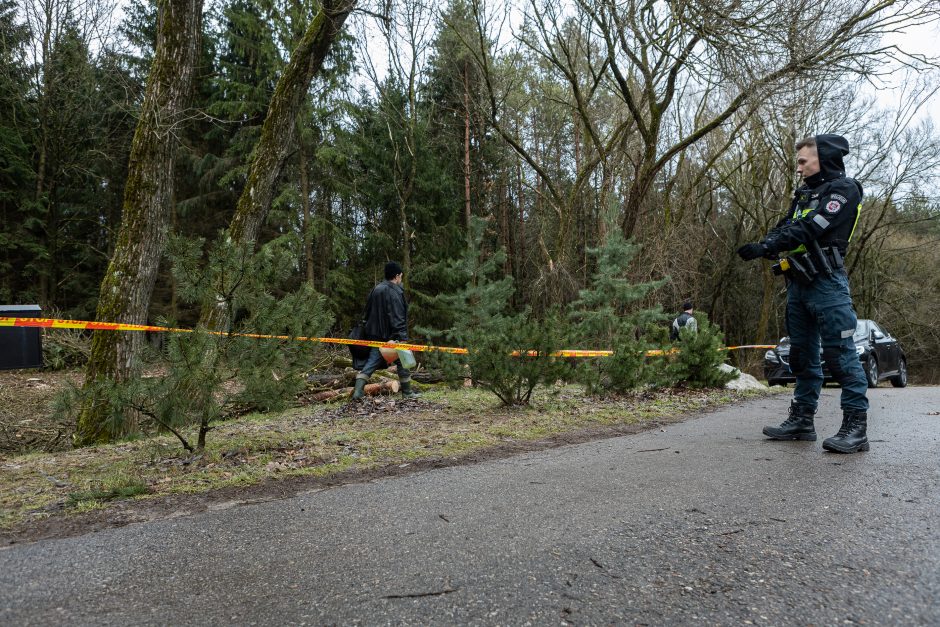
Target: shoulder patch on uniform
point(839, 198)
point(833, 206)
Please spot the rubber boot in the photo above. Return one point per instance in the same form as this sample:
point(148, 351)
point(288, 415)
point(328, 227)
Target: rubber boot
point(798, 426)
point(852, 436)
point(360, 390)
point(407, 392)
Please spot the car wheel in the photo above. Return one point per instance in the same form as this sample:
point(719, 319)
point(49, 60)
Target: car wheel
point(900, 381)
point(871, 373)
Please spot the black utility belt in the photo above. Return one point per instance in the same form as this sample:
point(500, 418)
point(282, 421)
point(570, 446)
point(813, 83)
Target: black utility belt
point(805, 267)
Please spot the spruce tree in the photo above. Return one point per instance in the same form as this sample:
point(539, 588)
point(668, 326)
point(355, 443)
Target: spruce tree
point(16, 175)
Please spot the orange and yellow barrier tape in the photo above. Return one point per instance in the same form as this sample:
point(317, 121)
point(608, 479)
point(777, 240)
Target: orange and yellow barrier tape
point(49, 323)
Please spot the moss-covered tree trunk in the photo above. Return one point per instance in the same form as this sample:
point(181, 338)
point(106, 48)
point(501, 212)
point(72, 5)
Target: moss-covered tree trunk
point(277, 135)
point(307, 226)
point(128, 283)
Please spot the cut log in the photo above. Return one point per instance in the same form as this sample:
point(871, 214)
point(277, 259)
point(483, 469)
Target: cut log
point(331, 381)
point(427, 376)
point(328, 394)
point(391, 386)
point(421, 376)
point(372, 389)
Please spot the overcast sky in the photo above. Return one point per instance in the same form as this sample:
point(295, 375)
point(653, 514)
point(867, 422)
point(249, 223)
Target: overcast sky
point(918, 40)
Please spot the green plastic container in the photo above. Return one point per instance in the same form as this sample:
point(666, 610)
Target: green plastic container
point(407, 359)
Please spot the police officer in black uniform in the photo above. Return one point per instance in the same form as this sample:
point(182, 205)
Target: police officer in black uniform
point(814, 236)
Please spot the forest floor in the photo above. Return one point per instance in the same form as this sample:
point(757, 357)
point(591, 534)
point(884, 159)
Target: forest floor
point(57, 491)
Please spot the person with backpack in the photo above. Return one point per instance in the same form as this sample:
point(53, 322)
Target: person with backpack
point(685, 320)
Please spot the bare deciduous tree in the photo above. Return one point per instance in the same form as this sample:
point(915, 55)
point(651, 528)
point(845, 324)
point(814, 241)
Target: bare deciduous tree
point(734, 53)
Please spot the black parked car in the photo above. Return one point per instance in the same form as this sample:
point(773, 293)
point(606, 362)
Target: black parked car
point(880, 354)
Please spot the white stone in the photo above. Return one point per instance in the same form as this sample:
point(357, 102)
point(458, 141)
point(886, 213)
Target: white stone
point(743, 381)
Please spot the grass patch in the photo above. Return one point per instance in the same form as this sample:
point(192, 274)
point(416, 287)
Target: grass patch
point(317, 441)
point(105, 495)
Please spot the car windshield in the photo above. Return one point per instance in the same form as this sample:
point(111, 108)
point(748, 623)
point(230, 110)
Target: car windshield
point(861, 333)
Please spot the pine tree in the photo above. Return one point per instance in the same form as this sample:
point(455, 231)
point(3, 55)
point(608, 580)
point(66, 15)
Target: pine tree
point(606, 318)
point(509, 354)
point(243, 373)
point(473, 294)
point(699, 357)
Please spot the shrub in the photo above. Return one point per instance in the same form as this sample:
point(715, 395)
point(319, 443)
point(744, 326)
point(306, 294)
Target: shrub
point(698, 356)
point(510, 356)
point(64, 348)
point(452, 367)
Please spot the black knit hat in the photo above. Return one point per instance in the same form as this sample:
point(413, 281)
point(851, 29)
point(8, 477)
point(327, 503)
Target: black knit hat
point(392, 270)
point(687, 305)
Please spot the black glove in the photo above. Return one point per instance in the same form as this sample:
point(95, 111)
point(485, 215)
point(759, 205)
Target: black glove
point(752, 251)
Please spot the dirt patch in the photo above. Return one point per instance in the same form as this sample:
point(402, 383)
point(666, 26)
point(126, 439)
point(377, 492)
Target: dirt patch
point(27, 418)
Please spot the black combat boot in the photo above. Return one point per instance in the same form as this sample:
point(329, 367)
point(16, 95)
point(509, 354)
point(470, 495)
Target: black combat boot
point(407, 392)
point(360, 389)
point(852, 436)
point(798, 426)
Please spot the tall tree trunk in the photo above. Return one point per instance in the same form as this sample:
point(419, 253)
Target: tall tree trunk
point(604, 204)
point(174, 294)
point(767, 302)
point(408, 193)
point(520, 231)
point(324, 217)
point(41, 198)
point(128, 283)
point(277, 135)
point(466, 153)
point(640, 187)
point(504, 222)
point(305, 203)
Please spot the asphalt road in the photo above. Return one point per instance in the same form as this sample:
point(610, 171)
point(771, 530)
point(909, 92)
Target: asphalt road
point(704, 522)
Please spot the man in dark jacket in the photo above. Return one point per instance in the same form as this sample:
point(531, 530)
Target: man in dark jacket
point(386, 320)
point(814, 236)
point(685, 320)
